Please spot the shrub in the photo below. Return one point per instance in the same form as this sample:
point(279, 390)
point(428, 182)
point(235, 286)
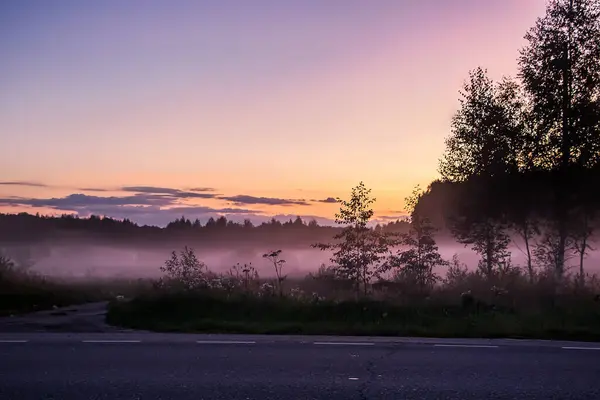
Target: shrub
point(184, 271)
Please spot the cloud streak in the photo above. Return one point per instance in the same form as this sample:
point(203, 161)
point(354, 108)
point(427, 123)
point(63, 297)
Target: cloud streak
point(77, 200)
point(23, 183)
point(178, 193)
point(196, 192)
point(91, 189)
point(271, 201)
point(327, 200)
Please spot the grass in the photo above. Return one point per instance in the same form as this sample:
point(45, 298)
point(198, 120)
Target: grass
point(202, 312)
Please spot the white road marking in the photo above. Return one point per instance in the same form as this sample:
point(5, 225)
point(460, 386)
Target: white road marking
point(224, 342)
point(483, 346)
point(344, 343)
point(353, 379)
point(580, 348)
point(13, 341)
point(111, 341)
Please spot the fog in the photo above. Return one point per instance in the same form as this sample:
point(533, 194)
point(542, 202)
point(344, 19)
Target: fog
point(101, 261)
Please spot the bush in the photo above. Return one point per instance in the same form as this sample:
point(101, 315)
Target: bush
point(184, 271)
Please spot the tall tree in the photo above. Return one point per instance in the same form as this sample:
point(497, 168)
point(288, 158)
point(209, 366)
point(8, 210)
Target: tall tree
point(560, 71)
point(357, 249)
point(490, 142)
point(524, 155)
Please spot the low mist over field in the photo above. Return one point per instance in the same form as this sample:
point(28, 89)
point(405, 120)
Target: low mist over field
point(93, 260)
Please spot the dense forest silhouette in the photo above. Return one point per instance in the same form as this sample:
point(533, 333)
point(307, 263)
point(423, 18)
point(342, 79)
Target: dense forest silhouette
point(29, 227)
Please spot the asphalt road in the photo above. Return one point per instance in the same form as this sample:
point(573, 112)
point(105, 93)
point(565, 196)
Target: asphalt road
point(161, 366)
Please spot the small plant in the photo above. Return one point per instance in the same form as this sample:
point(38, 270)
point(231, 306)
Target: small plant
point(278, 263)
point(266, 290)
point(297, 293)
point(245, 275)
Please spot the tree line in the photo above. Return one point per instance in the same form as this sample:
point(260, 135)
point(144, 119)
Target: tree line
point(24, 226)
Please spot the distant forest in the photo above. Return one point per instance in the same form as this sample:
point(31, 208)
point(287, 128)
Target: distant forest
point(28, 227)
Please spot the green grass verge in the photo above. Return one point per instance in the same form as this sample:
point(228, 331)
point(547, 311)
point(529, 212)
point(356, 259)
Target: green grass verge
point(215, 314)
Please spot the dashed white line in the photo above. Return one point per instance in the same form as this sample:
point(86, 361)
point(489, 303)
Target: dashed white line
point(111, 341)
point(345, 343)
point(482, 346)
point(224, 342)
point(580, 348)
point(14, 341)
point(352, 379)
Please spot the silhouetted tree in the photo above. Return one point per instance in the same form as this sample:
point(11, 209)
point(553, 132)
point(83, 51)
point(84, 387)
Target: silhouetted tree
point(221, 222)
point(211, 223)
point(488, 143)
point(419, 256)
point(485, 138)
point(357, 249)
point(581, 220)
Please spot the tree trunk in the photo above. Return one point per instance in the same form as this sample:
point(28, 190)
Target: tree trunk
point(562, 244)
point(529, 263)
point(489, 255)
point(562, 197)
point(357, 288)
point(581, 256)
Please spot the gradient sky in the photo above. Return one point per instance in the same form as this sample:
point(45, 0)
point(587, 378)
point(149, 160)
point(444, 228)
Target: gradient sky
point(271, 104)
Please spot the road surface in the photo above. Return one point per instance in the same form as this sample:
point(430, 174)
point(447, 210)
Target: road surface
point(162, 366)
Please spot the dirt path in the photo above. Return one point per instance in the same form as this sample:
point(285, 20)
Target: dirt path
point(81, 318)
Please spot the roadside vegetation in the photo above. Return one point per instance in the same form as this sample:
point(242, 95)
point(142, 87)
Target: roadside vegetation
point(376, 284)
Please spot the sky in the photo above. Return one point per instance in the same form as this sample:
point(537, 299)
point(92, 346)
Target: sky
point(155, 109)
